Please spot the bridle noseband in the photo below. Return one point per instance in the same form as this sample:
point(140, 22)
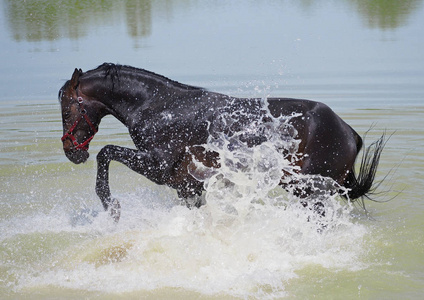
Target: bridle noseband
point(70, 133)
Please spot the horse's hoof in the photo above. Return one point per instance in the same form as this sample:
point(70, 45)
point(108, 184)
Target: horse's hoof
point(115, 210)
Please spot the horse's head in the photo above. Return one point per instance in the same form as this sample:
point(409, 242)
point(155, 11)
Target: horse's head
point(80, 118)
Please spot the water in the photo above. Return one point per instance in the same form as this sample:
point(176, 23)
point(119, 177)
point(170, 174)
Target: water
point(56, 242)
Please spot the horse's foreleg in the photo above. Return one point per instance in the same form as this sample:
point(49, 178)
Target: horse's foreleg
point(133, 159)
point(105, 156)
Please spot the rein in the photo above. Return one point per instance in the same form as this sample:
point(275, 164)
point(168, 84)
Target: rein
point(70, 133)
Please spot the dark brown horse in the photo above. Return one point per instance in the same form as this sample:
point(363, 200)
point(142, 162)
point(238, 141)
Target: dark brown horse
point(170, 123)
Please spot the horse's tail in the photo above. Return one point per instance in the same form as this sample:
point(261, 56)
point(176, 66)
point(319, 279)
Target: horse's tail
point(362, 184)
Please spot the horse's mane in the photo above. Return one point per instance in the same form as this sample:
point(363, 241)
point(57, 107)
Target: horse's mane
point(116, 73)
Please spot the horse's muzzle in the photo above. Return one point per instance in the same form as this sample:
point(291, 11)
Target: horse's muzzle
point(74, 154)
point(77, 156)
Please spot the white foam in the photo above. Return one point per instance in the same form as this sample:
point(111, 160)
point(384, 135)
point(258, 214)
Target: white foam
point(208, 250)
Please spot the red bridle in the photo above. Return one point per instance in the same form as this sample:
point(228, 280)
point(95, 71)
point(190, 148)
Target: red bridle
point(70, 135)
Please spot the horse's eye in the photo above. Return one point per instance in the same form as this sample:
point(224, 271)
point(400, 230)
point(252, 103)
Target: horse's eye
point(66, 115)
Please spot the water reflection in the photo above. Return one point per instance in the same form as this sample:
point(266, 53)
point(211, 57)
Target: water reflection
point(33, 20)
point(138, 18)
point(48, 20)
point(385, 14)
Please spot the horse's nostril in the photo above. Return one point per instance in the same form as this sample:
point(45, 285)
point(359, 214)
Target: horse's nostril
point(67, 145)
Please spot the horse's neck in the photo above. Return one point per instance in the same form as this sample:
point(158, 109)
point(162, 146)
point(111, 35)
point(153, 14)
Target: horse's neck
point(125, 105)
point(149, 91)
point(122, 109)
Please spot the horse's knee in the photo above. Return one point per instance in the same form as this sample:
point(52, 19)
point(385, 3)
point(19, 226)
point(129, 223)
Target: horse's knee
point(105, 153)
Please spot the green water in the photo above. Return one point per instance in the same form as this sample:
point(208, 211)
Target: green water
point(362, 58)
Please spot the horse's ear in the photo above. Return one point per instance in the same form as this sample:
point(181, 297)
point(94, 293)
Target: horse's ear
point(75, 77)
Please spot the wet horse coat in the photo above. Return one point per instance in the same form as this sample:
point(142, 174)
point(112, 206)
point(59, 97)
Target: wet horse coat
point(170, 122)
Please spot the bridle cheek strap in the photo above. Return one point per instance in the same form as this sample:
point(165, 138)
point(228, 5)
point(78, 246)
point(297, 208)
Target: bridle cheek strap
point(70, 134)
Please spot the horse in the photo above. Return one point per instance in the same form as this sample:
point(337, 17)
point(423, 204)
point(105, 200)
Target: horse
point(170, 124)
